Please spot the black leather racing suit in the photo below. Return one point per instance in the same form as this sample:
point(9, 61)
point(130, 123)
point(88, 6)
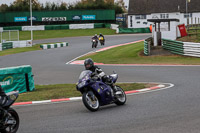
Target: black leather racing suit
point(98, 71)
point(3, 99)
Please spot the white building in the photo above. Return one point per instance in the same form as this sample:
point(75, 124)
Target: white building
point(141, 10)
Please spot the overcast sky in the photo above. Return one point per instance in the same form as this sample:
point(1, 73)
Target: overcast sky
point(44, 1)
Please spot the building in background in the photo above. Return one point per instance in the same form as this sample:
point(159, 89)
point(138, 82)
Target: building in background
point(141, 10)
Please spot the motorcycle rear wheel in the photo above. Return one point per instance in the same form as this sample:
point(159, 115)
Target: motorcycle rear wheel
point(90, 101)
point(120, 100)
point(12, 128)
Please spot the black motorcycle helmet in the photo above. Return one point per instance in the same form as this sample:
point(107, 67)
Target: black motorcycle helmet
point(88, 63)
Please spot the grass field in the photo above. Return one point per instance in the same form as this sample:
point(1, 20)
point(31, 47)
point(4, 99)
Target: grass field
point(133, 54)
point(37, 35)
point(193, 35)
point(46, 92)
point(19, 50)
point(193, 38)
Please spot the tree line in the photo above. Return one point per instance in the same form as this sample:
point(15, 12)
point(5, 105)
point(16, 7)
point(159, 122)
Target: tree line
point(24, 5)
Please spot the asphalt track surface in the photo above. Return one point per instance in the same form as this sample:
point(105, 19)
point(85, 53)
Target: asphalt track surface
point(174, 110)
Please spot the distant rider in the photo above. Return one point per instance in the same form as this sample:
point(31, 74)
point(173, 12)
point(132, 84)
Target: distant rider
point(101, 35)
point(89, 65)
point(95, 37)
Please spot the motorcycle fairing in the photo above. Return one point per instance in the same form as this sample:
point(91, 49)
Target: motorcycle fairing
point(103, 91)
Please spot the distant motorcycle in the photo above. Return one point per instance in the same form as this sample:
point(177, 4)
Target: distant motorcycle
point(101, 40)
point(10, 120)
point(96, 93)
point(94, 43)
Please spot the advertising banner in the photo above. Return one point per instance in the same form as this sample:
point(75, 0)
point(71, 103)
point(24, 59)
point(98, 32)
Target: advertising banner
point(20, 19)
point(54, 19)
point(33, 18)
point(88, 17)
point(77, 17)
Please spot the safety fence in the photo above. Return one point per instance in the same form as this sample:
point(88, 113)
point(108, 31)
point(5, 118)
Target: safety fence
point(55, 45)
point(182, 48)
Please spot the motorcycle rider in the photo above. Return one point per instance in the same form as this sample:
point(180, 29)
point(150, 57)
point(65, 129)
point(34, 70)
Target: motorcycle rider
point(95, 37)
point(101, 35)
point(89, 65)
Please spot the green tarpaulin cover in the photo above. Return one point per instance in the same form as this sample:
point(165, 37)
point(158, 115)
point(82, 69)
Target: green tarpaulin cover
point(17, 78)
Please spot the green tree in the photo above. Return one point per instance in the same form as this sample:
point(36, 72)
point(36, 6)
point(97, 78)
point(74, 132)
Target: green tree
point(23, 5)
point(3, 7)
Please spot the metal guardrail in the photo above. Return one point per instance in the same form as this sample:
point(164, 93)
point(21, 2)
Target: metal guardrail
point(147, 46)
point(182, 48)
point(175, 47)
point(7, 45)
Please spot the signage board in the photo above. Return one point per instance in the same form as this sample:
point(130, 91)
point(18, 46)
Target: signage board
point(20, 19)
point(54, 19)
point(33, 18)
point(88, 17)
point(77, 17)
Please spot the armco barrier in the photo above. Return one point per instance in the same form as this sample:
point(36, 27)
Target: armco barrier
point(7, 45)
point(99, 25)
point(62, 27)
point(134, 30)
point(191, 49)
point(55, 45)
point(81, 26)
point(182, 48)
point(13, 28)
point(15, 44)
point(56, 27)
point(175, 47)
point(147, 46)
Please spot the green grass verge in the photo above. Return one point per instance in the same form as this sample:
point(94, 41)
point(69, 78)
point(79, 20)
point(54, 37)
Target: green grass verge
point(192, 38)
point(132, 54)
point(19, 50)
point(37, 35)
point(47, 92)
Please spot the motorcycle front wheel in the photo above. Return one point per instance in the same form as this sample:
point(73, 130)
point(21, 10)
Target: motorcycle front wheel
point(12, 123)
point(121, 98)
point(96, 44)
point(90, 101)
point(93, 45)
